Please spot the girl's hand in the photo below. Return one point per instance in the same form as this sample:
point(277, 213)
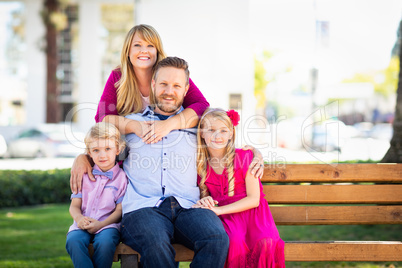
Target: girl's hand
point(217, 210)
point(93, 226)
point(206, 202)
point(80, 166)
point(156, 131)
point(257, 165)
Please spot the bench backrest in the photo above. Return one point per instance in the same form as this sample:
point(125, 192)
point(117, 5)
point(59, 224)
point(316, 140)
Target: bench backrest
point(334, 194)
point(304, 194)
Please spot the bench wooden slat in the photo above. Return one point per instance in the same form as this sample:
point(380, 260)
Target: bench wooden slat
point(333, 173)
point(182, 253)
point(377, 203)
point(333, 194)
point(343, 251)
point(315, 251)
point(337, 215)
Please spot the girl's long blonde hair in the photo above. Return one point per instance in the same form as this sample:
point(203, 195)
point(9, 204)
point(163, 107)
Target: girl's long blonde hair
point(203, 154)
point(128, 95)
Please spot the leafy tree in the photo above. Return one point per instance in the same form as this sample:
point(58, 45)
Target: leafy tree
point(260, 79)
point(394, 154)
point(384, 81)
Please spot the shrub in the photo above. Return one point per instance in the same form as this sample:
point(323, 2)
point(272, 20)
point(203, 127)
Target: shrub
point(33, 187)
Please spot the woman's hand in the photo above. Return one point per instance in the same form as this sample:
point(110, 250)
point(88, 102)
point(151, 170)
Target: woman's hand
point(257, 165)
point(156, 130)
point(80, 166)
point(206, 202)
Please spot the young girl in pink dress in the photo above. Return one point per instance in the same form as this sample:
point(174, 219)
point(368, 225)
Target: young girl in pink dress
point(231, 191)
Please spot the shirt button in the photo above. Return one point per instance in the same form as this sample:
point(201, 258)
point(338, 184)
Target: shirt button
point(164, 169)
point(164, 153)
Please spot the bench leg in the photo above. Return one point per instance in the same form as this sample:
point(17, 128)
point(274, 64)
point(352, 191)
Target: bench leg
point(129, 260)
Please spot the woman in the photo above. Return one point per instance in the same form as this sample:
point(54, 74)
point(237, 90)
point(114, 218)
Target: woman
point(128, 88)
point(127, 91)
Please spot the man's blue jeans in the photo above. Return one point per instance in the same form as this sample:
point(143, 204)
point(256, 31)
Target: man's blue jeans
point(150, 231)
point(104, 244)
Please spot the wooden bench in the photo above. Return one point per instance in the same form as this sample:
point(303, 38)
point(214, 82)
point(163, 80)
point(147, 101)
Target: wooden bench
point(323, 194)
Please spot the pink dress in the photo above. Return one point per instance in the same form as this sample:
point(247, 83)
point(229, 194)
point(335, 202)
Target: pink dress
point(254, 238)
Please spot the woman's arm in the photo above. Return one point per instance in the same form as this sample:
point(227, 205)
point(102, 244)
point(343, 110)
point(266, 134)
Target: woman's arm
point(158, 129)
point(195, 100)
point(108, 101)
point(82, 164)
point(127, 126)
point(252, 200)
point(194, 105)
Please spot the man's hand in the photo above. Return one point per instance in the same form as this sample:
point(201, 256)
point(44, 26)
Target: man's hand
point(257, 165)
point(80, 166)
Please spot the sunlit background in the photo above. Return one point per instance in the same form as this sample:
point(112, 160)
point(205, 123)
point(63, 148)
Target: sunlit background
point(314, 80)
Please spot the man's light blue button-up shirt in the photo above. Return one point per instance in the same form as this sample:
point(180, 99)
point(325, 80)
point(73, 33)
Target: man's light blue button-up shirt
point(156, 171)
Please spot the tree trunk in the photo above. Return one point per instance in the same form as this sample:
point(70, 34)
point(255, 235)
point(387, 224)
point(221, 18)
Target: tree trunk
point(394, 154)
point(52, 103)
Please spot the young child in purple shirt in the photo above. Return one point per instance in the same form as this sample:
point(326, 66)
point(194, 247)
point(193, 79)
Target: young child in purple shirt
point(97, 209)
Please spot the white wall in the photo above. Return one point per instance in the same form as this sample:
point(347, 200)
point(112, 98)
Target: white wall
point(89, 71)
point(36, 62)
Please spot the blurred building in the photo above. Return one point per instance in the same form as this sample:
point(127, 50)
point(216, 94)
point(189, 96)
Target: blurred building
point(215, 41)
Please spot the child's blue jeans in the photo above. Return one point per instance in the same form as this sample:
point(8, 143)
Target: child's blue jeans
point(104, 244)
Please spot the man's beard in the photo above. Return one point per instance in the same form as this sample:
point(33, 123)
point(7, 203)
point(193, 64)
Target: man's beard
point(168, 108)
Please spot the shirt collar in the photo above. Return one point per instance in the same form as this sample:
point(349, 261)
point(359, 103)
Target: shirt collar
point(150, 111)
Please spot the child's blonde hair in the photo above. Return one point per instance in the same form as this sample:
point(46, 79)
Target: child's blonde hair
point(203, 154)
point(103, 130)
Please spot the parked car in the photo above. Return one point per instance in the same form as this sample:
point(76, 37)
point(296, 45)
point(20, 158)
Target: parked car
point(3, 146)
point(331, 135)
point(383, 131)
point(49, 140)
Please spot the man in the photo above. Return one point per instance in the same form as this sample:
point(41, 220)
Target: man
point(163, 184)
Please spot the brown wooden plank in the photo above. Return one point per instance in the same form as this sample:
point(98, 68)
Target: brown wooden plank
point(333, 194)
point(333, 173)
point(316, 251)
point(343, 251)
point(336, 215)
point(182, 253)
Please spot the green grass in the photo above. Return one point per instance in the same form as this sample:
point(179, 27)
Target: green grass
point(35, 237)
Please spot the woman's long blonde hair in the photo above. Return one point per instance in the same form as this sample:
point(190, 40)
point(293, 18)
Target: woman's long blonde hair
point(128, 95)
point(203, 154)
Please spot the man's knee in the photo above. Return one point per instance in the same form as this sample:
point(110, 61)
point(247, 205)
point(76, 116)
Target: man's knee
point(221, 238)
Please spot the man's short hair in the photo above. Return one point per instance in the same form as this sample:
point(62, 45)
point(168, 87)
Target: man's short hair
point(173, 62)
